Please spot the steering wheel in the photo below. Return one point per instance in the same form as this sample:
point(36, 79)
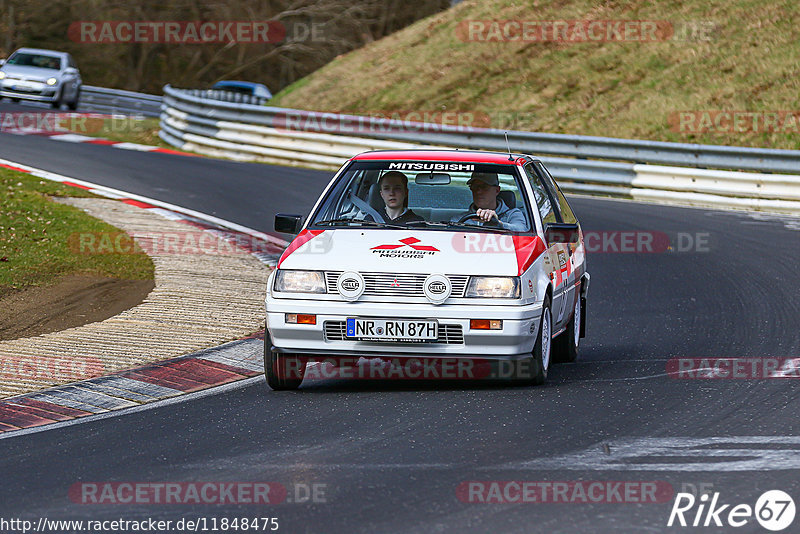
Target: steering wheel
point(468, 216)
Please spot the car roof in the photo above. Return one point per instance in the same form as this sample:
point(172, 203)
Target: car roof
point(40, 51)
point(236, 83)
point(472, 156)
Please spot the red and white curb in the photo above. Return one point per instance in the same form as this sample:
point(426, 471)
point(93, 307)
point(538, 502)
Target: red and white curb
point(227, 363)
point(78, 138)
point(231, 362)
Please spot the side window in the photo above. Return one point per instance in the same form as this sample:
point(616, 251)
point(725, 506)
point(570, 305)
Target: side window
point(567, 215)
point(542, 197)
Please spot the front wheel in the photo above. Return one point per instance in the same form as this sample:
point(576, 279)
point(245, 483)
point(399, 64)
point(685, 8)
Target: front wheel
point(537, 365)
point(282, 371)
point(74, 104)
point(56, 104)
point(565, 347)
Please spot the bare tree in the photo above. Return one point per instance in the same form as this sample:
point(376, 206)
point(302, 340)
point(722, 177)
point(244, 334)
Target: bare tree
point(316, 31)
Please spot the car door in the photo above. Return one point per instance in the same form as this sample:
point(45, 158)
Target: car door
point(570, 272)
point(556, 252)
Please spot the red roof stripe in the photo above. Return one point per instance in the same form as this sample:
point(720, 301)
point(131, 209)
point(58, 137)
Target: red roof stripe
point(438, 155)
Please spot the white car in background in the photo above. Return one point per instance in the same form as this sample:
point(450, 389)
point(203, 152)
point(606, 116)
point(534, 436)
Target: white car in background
point(442, 280)
point(41, 76)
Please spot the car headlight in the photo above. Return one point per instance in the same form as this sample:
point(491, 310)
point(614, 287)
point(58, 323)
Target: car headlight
point(300, 281)
point(2, 74)
point(497, 287)
point(51, 81)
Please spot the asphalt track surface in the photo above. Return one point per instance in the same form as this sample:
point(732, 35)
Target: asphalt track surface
point(391, 455)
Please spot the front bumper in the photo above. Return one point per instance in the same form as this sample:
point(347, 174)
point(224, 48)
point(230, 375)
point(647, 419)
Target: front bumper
point(38, 92)
point(515, 340)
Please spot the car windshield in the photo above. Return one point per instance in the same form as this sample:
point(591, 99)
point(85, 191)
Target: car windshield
point(433, 194)
point(35, 60)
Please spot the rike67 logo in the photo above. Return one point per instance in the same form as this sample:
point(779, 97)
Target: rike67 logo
point(774, 510)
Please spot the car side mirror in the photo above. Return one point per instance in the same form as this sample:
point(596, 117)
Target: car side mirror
point(561, 233)
point(288, 224)
point(70, 70)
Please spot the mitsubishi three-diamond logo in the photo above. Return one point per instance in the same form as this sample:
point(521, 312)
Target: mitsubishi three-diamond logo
point(407, 248)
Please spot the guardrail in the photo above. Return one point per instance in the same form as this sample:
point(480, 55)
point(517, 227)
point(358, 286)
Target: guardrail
point(227, 96)
point(106, 100)
point(325, 140)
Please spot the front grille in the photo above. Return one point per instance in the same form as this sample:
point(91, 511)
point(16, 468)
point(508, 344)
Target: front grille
point(24, 91)
point(397, 284)
point(450, 334)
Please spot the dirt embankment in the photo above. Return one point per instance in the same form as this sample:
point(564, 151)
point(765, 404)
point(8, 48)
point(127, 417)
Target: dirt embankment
point(74, 300)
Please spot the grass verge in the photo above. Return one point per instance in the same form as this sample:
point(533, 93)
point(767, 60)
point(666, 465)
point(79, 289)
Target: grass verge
point(732, 56)
point(35, 236)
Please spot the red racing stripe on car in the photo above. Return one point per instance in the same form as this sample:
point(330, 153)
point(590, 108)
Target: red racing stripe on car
point(528, 248)
point(302, 238)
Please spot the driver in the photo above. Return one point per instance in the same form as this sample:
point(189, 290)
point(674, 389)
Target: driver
point(486, 205)
point(394, 192)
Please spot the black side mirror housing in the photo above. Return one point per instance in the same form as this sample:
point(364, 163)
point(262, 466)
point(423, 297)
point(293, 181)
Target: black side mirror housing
point(288, 224)
point(561, 233)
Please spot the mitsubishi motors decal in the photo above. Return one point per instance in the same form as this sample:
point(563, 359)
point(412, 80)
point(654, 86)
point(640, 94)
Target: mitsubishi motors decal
point(404, 248)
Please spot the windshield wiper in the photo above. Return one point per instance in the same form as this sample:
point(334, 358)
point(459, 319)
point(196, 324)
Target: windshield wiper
point(360, 222)
point(426, 223)
point(496, 229)
point(499, 229)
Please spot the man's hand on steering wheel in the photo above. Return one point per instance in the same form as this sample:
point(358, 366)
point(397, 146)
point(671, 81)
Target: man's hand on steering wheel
point(486, 215)
point(490, 217)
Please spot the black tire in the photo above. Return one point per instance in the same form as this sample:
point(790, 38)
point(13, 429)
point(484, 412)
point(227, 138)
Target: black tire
point(56, 104)
point(72, 106)
point(533, 370)
point(565, 346)
point(282, 371)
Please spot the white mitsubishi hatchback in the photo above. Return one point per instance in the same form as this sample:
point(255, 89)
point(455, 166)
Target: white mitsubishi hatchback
point(421, 255)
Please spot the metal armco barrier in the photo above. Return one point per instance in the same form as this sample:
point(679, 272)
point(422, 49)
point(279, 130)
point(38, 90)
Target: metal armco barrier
point(645, 170)
point(227, 96)
point(106, 100)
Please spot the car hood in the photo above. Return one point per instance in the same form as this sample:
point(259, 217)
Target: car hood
point(29, 73)
point(412, 251)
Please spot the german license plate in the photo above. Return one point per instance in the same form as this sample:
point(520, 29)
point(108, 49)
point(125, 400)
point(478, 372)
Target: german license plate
point(391, 330)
